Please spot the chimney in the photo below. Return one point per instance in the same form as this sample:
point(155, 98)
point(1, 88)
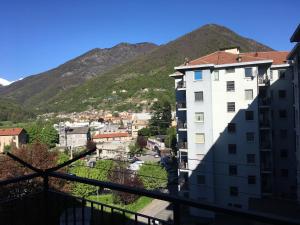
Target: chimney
point(233, 50)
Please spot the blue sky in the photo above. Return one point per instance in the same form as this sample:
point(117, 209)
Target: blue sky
point(39, 35)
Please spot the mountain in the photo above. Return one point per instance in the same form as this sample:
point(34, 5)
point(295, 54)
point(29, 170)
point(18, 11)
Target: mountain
point(44, 86)
point(131, 85)
point(4, 82)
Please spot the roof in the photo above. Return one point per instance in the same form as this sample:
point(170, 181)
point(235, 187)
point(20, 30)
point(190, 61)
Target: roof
point(222, 58)
point(110, 135)
point(77, 130)
point(11, 131)
point(296, 35)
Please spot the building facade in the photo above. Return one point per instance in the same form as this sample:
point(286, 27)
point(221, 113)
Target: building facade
point(13, 137)
point(234, 127)
point(294, 58)
point(73, 137)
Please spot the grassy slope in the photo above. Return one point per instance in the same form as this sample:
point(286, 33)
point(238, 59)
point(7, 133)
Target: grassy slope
point(150, 71)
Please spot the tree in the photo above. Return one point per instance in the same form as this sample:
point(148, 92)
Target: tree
point(171, 140)
point(146, 132)
point(99, 172)
point(153, 175)
point(121, 175)
point(43, 133)
point(36, 155)
point(161, 117)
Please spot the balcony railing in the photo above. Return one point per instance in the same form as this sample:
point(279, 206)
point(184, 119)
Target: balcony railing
point(181, 84)
point(183, 165)
point(265, 145)
point(55, 208)
point(181, 105)
point(181, 125)
point(263, 80)
point(264, 101)
point(264, 123)
point(182, 145)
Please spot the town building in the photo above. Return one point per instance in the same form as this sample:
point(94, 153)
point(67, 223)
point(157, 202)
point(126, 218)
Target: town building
point(14, 137)
point(73, 137)
point(235, 127)
point(294, 58)
point(108, 137)
point(139, 121)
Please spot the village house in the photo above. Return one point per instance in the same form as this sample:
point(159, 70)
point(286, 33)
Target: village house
point(107, 137)
point(14, 137)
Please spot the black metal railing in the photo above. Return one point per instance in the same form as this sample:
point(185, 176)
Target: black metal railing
point(181, 84)
point(181, 105)
point(80, 207)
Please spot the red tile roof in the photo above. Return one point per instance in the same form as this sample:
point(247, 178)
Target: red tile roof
point(10, 131)
point(110, 135)
point(222, 57)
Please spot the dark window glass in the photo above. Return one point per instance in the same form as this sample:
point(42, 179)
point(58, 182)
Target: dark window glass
point(200, 179)
point(248, 72)
point(249, 115)
point(232, 170)
point(199, 96)
point(234, 191)
point(232, 148)
point(229, 70)
point(230, 106)
point(281, 74)
point(230, 85)
point(231, 128)
point(250, 158)
point(251, 179)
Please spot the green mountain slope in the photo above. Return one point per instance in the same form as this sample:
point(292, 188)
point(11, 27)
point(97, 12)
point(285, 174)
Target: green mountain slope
point(146, 77)
point(36, 89)
point(10, 111)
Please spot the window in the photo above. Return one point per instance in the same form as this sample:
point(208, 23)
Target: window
point(232, 148)
point(230, 106)
point(283, 133)
point(283, 153)
point(231, 128)
point(233, 191)
point(250, 137)
point(248, 94)
point(216, 75)
point(199, 117)
point(248, 72)
point(198, 75)
point(229, 70)
point(249, 115)
point(282, 113)
point(251, 179)
point(232, 170)
point(200, 138)
point(200, 179)
point(230, 85)
point(281, 74)
point(284, 172)
point(281, 93)
point(250, 158)
point(199, 96)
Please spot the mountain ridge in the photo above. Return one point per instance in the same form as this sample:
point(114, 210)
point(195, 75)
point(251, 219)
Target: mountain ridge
point(146, 71)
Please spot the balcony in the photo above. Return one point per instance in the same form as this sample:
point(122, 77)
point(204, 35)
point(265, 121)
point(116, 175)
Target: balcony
point(182, 145)
point(264, 124)
point(181, 106)
point(263, 80)
point(264, 102)
point(183, 165)
point(181, 85)
point(46, 206)
point(182, 126)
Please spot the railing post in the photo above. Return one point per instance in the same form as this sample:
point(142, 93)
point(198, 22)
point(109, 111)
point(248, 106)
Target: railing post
point(45, 197)
point(176, 213)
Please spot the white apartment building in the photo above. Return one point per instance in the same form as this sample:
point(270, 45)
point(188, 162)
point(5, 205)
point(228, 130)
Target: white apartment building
point(235, 127)
point(294, 58)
